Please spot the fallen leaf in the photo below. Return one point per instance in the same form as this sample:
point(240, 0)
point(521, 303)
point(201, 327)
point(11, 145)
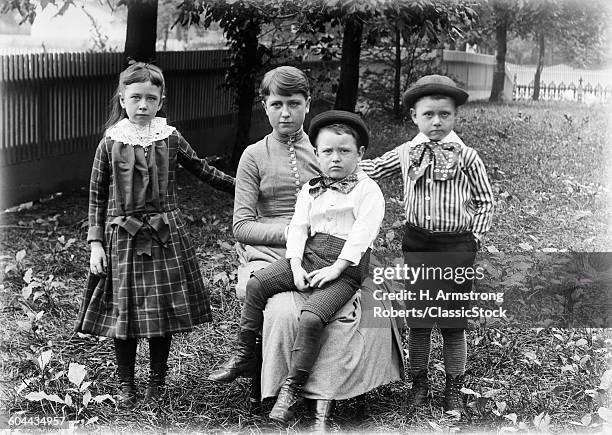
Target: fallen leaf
point(27, 276)
point(512, 417)
point(605, 413)
point(20, 255)
point(586, 420)
point(501, 406)
point(225, 245)
point(86, 398)
point(606, 380)
point(44, 359)
point(76, 373)
point(390, 235)
point(582, 342)
point(221, 277)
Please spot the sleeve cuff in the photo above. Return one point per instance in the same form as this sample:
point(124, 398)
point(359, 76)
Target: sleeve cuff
point(95, 233)
point(350, 257)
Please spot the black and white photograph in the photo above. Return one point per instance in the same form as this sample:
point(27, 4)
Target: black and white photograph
point(306, 216)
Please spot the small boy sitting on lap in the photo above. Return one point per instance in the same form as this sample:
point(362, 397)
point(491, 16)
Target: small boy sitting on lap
point(337, 218)
point(449, 203)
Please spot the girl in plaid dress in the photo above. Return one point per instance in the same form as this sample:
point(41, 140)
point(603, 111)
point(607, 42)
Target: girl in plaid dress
point(144, 277)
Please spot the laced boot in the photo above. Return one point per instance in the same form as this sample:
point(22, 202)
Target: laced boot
point(126, 397)
point(420, 389)
point(157, 380)
point(453, 400)
point(289, 396)
point(323, 414)
point(242, 364)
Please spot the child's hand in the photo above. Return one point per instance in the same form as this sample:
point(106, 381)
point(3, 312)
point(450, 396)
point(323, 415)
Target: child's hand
point(97, 260)
point(320, 277)
point(300, 276)
point(300, 279)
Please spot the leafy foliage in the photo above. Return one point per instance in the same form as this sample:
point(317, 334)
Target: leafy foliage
point(27, 8)
point(400, 44)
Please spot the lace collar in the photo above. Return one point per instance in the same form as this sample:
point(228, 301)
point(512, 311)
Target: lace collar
point(286, 138)
point(129, 133)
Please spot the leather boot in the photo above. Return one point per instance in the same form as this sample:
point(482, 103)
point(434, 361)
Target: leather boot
point(126, 397)
point(420, 389)
point(242, 364)
point(288, 397)
point(453, 400)
point(323, 414)
point(157, 380)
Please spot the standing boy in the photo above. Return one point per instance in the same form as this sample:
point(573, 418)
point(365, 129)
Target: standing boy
point(449, 203)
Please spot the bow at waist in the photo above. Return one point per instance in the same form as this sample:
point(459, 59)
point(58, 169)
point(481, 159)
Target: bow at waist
point(145, 228)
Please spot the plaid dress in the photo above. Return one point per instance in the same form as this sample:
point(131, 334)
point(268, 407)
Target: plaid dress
point(153, 285)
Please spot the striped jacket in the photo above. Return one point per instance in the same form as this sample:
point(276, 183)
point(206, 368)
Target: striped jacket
point(464, 203)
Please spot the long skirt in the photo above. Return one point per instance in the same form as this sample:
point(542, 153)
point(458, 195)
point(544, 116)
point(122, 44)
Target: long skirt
point(142, 295)
point(359, 352)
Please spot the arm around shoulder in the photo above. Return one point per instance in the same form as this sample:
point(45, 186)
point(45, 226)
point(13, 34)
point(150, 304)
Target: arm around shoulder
point(383, 166)
point(188, 158)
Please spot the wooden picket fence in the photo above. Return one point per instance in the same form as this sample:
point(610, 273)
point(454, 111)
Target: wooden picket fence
point(53, 107)
point(56, 103)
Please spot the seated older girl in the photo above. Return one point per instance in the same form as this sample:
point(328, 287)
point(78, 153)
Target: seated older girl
point(359, 352)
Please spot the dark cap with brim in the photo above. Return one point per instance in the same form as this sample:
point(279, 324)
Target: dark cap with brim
point(331, 117)
point(434, 85)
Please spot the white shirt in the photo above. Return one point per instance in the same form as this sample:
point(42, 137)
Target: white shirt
point(355, 217)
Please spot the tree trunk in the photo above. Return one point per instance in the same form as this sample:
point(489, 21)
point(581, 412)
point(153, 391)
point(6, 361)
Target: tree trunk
point(246, 91)
point(397, 84)
point(166, 36)
point(501, 37)
point(538, 73)
point(346, 97)
point(141, 32)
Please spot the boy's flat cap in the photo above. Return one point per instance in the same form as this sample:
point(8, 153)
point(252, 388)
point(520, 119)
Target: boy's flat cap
point(432, 85)
point(330, 117)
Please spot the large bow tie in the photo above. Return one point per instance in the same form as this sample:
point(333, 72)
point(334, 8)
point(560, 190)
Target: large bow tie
point(445, 157)
point(323, 182)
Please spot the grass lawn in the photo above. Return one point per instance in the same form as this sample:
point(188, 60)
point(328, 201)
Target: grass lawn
point(549, 164)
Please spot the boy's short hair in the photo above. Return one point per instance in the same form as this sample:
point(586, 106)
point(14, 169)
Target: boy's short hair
point(285, 81)
point(432, 85)
point(340, 128)
point(340, 117)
